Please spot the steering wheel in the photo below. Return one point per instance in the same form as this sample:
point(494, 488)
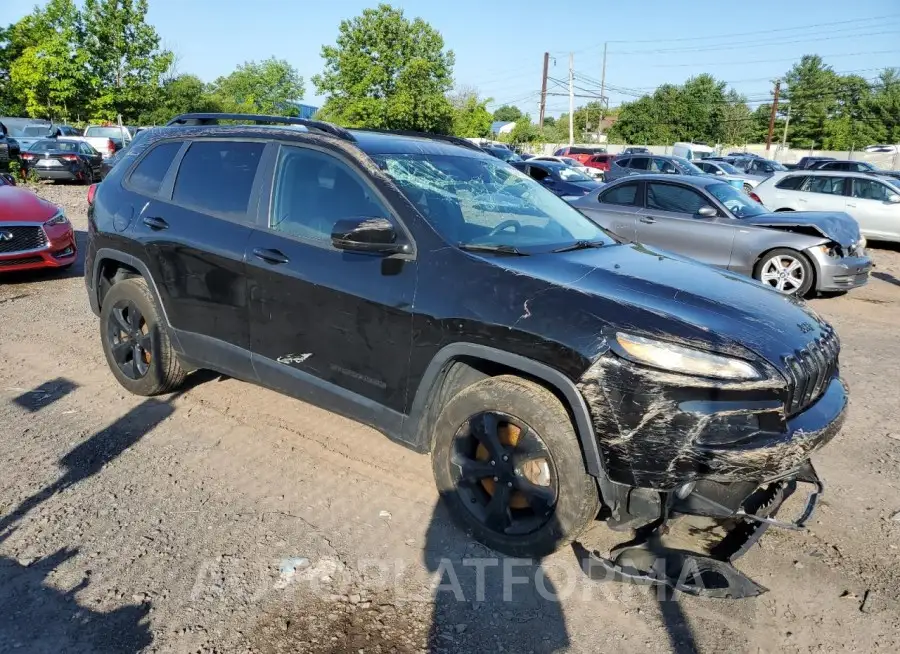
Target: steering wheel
point(515, 224)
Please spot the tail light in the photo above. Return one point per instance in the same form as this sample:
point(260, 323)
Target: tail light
point(69, 157)
point(756, 197)
point(110, 147)
point(92, 191)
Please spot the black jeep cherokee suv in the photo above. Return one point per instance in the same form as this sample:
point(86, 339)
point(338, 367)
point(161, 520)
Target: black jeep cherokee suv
point(427, 289)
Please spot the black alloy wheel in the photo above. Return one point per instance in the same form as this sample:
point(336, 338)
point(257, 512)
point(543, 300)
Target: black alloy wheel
point(130, 340)
point(504, 472)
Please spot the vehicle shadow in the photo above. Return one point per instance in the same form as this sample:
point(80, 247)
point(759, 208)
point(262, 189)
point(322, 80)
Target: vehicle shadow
point(37, 618)
point(486, 601)
point(89, 457)
point(45, 274)
point(886, 277)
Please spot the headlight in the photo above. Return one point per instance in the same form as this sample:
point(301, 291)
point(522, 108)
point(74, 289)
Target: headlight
point(59, 218)
point(676, 358)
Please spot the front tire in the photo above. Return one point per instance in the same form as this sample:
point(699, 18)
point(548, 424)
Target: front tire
point(135, 340)
point(787, 271)
point(508, 464)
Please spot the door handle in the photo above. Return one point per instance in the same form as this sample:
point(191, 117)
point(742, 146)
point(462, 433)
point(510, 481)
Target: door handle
point(154, 222)
point(270, 256)
point(647, 219)
point(851, 205)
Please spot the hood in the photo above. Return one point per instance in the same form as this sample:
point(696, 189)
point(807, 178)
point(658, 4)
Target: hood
point(21, 205)
point(635, 288)
point(835, 225)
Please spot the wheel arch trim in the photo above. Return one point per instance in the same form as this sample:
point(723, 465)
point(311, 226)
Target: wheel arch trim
point(434, 373)
point(109, 254)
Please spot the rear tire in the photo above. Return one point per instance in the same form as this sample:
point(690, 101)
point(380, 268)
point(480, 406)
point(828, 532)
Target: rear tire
point(135, 340)
point(551, 499)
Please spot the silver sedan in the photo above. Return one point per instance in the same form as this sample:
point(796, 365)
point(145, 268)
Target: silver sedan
point(708, 220)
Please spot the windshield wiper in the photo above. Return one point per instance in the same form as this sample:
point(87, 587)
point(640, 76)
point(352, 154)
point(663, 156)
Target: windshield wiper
point(580, 245)
point(498, 249)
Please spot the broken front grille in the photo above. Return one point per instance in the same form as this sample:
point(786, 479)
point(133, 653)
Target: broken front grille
point(21, 238)
point(809, 372)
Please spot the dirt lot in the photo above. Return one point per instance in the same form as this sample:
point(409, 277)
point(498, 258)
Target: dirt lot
point(229, 518)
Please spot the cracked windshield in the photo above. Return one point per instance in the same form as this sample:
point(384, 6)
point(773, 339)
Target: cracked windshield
point(474, 201)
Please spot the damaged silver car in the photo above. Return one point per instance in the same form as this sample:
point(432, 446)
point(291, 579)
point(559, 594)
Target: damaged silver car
point(708, 220)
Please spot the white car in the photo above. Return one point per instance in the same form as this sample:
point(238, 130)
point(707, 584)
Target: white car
point(873, 201)
point(571, 163)
point(725, 170)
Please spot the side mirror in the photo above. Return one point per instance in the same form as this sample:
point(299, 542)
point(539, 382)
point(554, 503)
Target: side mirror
point(366, 235)
point(720, 172)
point(707, 211)
point(894, 198)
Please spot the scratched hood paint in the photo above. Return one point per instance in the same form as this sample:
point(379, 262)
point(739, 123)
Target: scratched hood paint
point(836, 225)
point(634, 287)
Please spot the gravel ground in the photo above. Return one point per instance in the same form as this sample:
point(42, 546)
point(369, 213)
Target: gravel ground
point(228, 518)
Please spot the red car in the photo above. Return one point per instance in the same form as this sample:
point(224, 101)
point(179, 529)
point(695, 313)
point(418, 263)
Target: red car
point(600, 161)
point(34, 233)
point(580, 154)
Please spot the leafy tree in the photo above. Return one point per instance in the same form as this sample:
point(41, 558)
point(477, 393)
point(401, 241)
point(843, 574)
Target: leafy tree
point(549, 121)
point(387, 72)
point(49, 74)
point(126, 59)
point(524, 131)
point(180, 95)
point(268, 87)
point(470, 115)
point(736, 119)
point(507, 114)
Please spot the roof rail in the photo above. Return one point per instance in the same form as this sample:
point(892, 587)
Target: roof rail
point(456, 140)
point(214, 118)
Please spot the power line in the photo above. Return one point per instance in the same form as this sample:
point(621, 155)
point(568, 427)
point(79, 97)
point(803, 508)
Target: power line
point(738, 34)
point(740, 45)
point(771, 61)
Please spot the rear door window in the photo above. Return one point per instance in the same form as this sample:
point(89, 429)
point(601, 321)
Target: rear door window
point(822, 184)
point(148, 176)
point(640, 163)
point(671, 197)
point(624, 194)
point(791, 182)
point(216, 177)
point(624, 162)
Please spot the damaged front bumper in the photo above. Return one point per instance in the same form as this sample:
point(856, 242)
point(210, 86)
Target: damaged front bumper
point(647, 560)
point(660, 430)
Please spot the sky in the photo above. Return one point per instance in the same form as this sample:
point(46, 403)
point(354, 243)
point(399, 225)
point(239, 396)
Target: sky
point(499, 44)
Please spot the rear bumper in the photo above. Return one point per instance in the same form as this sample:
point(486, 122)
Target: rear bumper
point(840, 274)
point(60, 251)
point(63, 174)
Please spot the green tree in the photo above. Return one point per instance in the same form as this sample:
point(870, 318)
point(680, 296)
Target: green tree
point(507, 114)
point(549, 121)
point(269, 87)
point(180, 95)
point(524, 131)
point(126, 62)
point(49, 71)
point(386, 71)
point(811, 88)
point(736, 119)
point(470, 115)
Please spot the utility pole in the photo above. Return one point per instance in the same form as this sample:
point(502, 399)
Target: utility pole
point(772, 115)
point(544, 90)
point(571, 99)
point(784, 136)
point(602, 90)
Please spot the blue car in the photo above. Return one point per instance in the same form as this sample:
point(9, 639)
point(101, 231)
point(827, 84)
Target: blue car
point(563, 180)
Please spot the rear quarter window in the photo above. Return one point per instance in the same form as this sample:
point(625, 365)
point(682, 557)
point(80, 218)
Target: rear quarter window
point(791, 182)
point(624, 194)
point(148, 175)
